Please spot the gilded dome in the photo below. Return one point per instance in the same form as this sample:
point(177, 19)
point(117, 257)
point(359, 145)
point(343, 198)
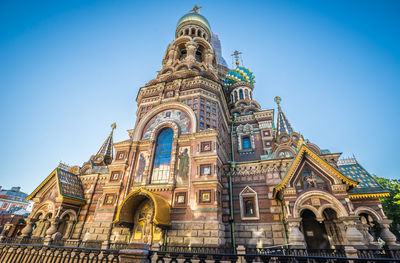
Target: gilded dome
point(194, 17)
point(239, 74)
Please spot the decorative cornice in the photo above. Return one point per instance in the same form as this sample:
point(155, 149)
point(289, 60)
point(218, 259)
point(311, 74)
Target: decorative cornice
point(372, 195)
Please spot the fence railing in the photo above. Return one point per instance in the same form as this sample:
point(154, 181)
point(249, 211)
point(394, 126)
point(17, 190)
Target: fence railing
point(189, 257)
point(77, 243)
point(379, 253)
point(76, 252)
point(29, 253)
point(283, 250)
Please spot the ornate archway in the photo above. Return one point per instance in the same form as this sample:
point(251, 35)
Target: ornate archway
point(146, 214)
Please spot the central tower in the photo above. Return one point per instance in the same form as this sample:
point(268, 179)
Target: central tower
point(179, 145)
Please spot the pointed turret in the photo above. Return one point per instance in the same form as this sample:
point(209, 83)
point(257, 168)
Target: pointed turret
point(107, 149)
point(105, 153)
point(283, 125)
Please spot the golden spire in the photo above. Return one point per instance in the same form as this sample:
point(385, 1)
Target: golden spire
point(236, 56)
point(196, 9)
point(278, 100)
point(113, 127)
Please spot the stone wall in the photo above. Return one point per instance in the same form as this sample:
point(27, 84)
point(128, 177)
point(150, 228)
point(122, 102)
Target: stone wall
point(204, 233)
point(258, 234)
point(93, 231)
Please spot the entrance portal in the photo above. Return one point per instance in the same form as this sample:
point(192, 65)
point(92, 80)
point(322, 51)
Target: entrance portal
point(144, 230)
point(314, 232)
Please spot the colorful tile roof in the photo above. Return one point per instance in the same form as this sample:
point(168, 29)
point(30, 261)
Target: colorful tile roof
point(367, 183)
point(283, 124)
point(69, 185)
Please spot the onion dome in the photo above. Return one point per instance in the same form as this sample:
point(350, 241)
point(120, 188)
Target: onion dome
point(194, 18)
point(239, 74)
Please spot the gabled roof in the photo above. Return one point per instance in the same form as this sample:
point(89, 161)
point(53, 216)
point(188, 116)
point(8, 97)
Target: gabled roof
point(69, 186)
point(302, 152)
point(367, 187)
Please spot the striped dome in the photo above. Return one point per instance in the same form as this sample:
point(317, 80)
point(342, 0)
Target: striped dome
point(239, 74)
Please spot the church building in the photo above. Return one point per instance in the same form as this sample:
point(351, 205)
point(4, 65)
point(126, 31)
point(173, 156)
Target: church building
point(206, 165)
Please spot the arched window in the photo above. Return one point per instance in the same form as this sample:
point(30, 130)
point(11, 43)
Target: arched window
point(241, 94)
point(236, 96)
point(162, 156)
point(246, 94)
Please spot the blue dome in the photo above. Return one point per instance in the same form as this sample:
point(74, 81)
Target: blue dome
point(194, 17)
point(239, 74)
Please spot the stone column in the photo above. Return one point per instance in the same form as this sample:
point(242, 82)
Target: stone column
point(296, 238)
point(50, 231)
point(353, 236)
point(209, 57)
point(191, 48)
point(386, 234)
point(27, 230)
point(368, 239)
point(136, 253)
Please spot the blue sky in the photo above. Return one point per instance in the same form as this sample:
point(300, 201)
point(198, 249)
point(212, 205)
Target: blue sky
point(68, 69)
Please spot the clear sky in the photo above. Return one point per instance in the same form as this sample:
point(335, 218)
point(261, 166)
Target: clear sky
point(68, 69)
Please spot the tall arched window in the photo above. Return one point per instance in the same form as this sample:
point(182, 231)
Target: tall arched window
point(162, 156)
point(241, 94)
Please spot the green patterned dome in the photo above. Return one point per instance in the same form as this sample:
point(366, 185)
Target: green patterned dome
point(196, 18)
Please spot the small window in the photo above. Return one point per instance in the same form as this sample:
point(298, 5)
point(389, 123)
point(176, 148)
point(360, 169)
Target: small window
point(202, 118)
point(201, 124)
point(246, 143)
point(207, 108)
point(249, 209)
point(249, 206)
point(241, 94)
point(201, 106)
point(202, 112)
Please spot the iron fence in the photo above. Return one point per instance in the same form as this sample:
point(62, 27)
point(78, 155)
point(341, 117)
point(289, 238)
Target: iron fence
point(18, 240)
point(23, 253)
point(198, 249)
point(284, 250)
point(379, 253)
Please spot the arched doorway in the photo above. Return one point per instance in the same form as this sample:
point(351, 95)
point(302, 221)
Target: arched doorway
point(144, 230)
point(314, 232)
point(331, 226)
point(371, 226)
point(146, 214)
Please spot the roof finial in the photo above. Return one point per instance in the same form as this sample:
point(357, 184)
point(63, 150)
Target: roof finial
point(113, 127)
point(196, 9)
point(278, 100)
point(236, 56)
